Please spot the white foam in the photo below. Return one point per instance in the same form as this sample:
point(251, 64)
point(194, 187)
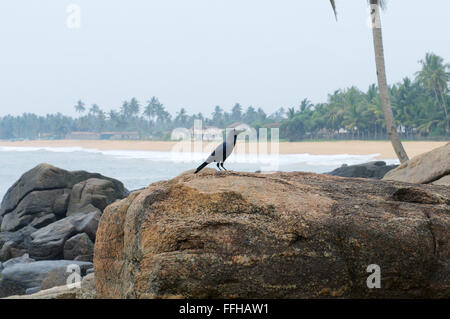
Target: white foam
point(187, 157)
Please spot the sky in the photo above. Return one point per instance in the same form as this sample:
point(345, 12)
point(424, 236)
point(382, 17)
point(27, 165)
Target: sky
point(198, 54)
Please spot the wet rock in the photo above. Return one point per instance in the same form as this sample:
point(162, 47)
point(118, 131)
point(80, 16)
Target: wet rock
point(375, 170)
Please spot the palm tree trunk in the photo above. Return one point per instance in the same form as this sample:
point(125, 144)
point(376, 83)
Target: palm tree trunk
point(444, 104)
point(382, 82)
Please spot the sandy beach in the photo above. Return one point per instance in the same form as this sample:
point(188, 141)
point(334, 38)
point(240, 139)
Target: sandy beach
point(383, 148)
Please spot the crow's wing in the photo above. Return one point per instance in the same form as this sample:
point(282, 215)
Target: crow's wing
point(219, 154)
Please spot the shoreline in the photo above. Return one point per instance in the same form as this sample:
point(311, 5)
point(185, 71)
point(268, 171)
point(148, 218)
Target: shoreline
point(354, 147)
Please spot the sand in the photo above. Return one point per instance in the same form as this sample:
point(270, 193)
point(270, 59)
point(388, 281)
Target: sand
point(383, 148)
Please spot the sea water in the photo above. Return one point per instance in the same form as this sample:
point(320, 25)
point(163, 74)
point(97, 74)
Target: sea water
point(137, 169)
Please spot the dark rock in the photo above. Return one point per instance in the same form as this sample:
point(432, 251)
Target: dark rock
point(48, 242)
point(42, 177)
point(18, 278)
point(87, 223)
point(46, 189)
point(43, 220)
point(35, 205)
point(93, 194)
point(281, 235)
point(25, 258)
point(15, 244)
point(374, 170)
point(79, 246)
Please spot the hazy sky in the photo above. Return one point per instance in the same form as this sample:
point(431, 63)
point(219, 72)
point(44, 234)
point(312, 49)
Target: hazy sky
point(201, 53)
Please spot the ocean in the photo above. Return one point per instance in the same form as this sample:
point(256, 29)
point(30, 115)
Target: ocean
point(137, 169)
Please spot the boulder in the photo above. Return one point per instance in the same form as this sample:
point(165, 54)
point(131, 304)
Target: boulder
point(425, 168)
point(37, 205)
point(281, 235)
point(92, 194)
point(445, 181)
point(48, 242)
point(374, 170)
point(15, 280)
point(45, 177)
point(25, 258)
point(79, 246)
point(43, 195)
point(15, 244)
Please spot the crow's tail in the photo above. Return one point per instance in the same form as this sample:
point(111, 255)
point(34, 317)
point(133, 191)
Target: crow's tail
point(200, 167)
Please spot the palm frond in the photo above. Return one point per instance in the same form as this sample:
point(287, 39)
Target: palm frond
point(333, 5)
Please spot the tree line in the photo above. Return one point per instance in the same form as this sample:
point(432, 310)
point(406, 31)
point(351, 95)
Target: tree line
point(419, 104)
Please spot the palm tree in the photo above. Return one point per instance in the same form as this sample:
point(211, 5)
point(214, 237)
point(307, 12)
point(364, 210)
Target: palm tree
point(291, 113)
point(434, 77)
point(94, 109)
point(79, 107)
point(391, 129)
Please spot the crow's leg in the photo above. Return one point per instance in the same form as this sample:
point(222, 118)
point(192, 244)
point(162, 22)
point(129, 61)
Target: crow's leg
point(221, 164)
point(218, 166)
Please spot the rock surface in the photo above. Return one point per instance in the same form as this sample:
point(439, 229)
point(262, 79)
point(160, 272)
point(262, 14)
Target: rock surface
point(77, 246)
point(425, 168)
point(15, 280)
point(22, 259)
point(375, 170)
point(282, 235)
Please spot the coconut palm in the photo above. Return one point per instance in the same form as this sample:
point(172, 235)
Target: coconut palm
point(79, 107)
point(434, 77)
point(391, 129)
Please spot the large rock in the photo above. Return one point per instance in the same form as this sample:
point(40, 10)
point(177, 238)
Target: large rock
point(34, 206)
point(93, 193)
point(48, 242)
point(43, 195)
point(425, 168)
point(79, 246)
point(15, 280)
point(25, 258)
point(15, 244)
point(283, 235)
point(443, 181)
point(374, 170)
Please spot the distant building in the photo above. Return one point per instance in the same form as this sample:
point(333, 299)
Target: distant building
point(119, 136)
point(83, 136)
point(272, 125)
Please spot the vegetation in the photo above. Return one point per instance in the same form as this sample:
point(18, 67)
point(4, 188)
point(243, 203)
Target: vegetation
point(419, 105)
point(391, 127)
